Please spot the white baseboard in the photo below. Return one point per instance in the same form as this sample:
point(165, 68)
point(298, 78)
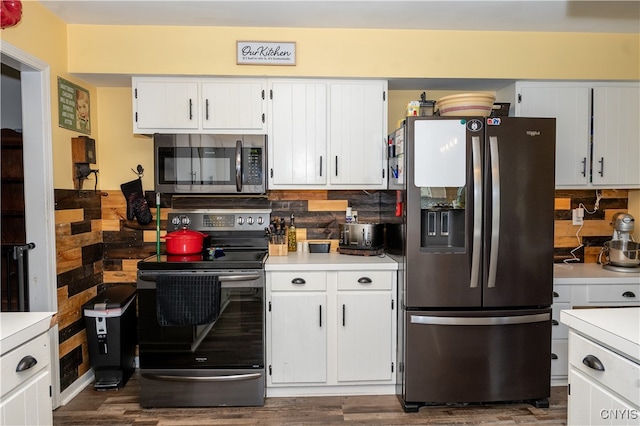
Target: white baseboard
point(76, 387)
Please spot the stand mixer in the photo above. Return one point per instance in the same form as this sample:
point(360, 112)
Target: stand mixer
point(622, 254)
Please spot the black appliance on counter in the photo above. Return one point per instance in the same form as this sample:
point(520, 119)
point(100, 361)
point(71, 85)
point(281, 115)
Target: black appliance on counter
point(476, 253)
point(201, 317)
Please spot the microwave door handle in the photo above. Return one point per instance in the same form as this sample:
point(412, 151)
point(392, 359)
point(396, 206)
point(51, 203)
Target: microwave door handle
point(239, 165)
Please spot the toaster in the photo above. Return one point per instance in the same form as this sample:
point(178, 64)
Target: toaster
point(361, 235)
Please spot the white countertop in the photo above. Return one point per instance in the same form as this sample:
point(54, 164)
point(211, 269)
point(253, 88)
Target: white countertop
point(615, 328)
point(17, 328)
point(327, 261)
point(591, 273)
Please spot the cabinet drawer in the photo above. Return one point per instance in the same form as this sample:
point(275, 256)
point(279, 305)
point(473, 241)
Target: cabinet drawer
point(298, 281)
point(561, 293)
point(559, 357)
point(364, 280)
point(619, 374)
point(622, 293)
point(37, 348)
point(558, 329)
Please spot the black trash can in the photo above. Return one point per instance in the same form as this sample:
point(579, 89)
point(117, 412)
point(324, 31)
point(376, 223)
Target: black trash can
point(111, 323)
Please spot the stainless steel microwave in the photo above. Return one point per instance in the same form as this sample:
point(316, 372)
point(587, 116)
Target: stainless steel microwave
point(210, 164)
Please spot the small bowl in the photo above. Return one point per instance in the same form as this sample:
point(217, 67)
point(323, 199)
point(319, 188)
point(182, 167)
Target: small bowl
point(319, 247)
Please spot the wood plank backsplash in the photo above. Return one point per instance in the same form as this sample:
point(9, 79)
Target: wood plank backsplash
point(96, 246)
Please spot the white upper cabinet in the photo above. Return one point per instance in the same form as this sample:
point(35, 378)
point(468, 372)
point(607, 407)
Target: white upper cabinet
point(199, 105)
point(234, 105)
point(597, 130)
point(616, 136)
point(297, 133)
point(161, 104)
point(327, 134)
point(357, 133)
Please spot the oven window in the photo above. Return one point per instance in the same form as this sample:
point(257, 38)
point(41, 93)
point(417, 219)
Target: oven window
point(235, 340)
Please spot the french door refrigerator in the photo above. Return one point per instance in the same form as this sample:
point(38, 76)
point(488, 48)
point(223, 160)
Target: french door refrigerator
point(476, 251)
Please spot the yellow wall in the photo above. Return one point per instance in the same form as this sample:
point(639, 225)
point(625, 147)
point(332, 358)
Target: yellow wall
point(77, 49)
point(41, 34)
point(357, 53)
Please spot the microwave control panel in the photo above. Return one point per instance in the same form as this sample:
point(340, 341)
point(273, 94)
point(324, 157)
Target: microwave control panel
point(252, 166)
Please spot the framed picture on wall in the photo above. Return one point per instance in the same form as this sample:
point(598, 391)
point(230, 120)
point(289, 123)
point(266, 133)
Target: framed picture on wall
point(74, 107)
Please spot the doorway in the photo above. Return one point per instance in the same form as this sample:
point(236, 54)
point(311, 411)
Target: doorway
point(39, 205)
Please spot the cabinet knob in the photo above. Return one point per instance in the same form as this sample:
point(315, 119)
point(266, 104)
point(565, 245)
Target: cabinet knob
point(628, 294)
point(298, 281)
point(592, 361)
point(26, 363)
point(364, 280)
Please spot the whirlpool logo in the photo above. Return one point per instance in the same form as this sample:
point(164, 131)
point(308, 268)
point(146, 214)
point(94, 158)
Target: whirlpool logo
point(533, 132)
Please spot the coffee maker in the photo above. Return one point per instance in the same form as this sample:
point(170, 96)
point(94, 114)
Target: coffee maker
point(621, 254)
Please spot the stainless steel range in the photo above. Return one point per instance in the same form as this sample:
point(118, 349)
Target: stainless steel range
point(201, 317)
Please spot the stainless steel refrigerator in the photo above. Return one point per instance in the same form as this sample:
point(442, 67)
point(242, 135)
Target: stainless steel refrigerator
point(475, 241)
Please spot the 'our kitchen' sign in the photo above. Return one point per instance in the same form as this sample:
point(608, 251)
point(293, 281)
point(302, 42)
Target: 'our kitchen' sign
point(266, 53)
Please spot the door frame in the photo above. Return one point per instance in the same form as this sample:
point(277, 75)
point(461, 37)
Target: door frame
point(39, 192)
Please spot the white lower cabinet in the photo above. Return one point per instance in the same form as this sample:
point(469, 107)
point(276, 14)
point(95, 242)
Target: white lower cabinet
point(331, 332)
point(25, 388)
point(583, 296)
point(298, 337)
point(602, 385)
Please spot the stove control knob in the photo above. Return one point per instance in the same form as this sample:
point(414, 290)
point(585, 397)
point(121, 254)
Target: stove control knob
point(175, 221)
point(260, 220)
point(240, 220)
point(185, 220)
point(250, 220)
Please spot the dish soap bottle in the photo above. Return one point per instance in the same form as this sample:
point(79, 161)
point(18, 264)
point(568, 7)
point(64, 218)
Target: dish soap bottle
point(291, 236)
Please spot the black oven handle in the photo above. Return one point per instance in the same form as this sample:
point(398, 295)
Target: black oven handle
point(228, 378)
point(239, 165)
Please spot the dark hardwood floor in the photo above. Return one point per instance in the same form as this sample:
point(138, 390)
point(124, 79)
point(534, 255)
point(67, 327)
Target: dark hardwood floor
point(121, 407)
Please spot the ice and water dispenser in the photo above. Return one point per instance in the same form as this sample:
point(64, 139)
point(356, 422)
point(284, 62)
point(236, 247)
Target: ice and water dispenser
point(440, 173)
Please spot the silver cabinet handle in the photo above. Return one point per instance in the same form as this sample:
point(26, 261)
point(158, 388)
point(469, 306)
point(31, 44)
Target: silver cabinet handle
point(593, 362)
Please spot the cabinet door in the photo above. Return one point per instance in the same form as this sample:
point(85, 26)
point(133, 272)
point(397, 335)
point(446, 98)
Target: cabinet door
point(357, 133)
point(30, 404)
point(571, 108)
point(234, 105)
point(298, 338)
point(298, 134)
point(165, 105)
point(589, 403)
point(616, 129)
point(364, 336)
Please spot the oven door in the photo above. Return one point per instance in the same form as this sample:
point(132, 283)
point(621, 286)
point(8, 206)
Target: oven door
point(210, 164)
point(216, 364)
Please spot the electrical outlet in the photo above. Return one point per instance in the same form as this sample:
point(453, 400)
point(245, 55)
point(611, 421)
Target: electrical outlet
point(577, 215)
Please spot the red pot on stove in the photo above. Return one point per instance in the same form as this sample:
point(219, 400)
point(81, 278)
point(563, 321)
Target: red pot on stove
point(184, 241)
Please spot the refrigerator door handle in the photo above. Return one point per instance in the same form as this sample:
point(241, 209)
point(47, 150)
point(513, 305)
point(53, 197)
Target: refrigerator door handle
point(520, 319)
point(495, 211)
point(477, 211)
